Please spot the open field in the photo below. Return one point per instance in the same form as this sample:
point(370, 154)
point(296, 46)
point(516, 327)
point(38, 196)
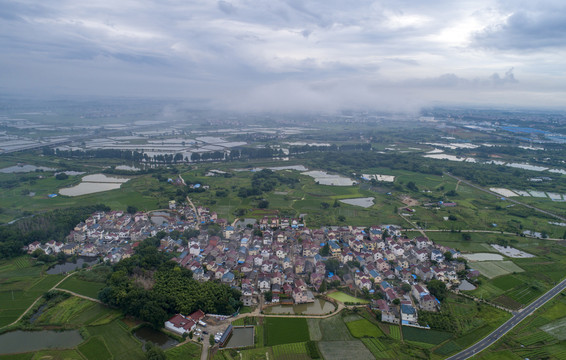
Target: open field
point(188, 351)
point(363, 328)
point(95, 349)
point(557, 329)
point(339, 350)
point(290, 351)
point(345, 298)
point(120, 343)
point(492, 269)
point(376, 347)
point(21, 284)
point(285, 330)
point(77, 311)
point(425, 336)
point(334, 329)
point(314, 329)
point(86, 288)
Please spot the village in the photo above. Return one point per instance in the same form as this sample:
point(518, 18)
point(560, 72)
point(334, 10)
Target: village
point(280, 256)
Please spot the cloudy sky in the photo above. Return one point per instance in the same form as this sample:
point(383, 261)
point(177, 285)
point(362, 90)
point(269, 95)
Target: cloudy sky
point(289, 55)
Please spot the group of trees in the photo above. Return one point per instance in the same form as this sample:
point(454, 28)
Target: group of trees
point(151, 287)
point(264, 181)
point(54, 225)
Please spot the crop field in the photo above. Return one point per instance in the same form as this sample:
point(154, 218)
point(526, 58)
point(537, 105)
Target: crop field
point(506, 282)
point(188, 351)
point(376, 347)
point(395, 332)
point(63, 312)
point(120, 343)
point(334, 329)
point(448, 348)
point(343, 297)
point(314, 329)
point(82, 287)
point(290, 351)
point(425, 336)
point(285, 330)
point(363, 328)
point(524, 294)
point(95, 349)
point(21, 284)
point(264, 353)
point(492, 269)
point(556, 329)
point(339, 350)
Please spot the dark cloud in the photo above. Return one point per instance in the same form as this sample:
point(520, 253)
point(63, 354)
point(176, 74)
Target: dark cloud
point(527, 30)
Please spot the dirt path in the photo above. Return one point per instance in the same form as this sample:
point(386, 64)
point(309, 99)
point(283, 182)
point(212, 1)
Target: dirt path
point(79, 295)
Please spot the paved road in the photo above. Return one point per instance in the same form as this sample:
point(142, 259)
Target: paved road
point(508, 199)
point(510, 324)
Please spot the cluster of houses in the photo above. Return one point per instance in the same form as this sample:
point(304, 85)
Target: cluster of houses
point(181, 324)
point(280, 256)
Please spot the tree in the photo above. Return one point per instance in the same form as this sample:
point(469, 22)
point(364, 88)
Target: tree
point(268, 295)
point(336, 203)
point(323, 287)
point(396, 302)
point(412, 186)
point(61, 176)
point(325, 250)
point(154, 352)
point(406, 287)
point(211, 340)
point(448, 255)
point(131, 209)
point(263, 204)
point(341, 218)
point(438, 289)
point(324, 205)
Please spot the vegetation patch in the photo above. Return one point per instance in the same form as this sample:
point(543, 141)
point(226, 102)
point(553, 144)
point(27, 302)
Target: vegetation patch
point(492, 269)
point(339, 350)
point(290, 351)
point(82, 287)
point(314, 329)
point(556, 328)
point(363, 328)
point(95, 349)
point(376, 347)
point(448, 348)
point(507, 302)
point(119, 341)
point(507, 282)
point(345, 298)
point(64, 312)
point(425, 336)
point(285, 330)
point(188, 351)
point(334, 329)
point(395, 332)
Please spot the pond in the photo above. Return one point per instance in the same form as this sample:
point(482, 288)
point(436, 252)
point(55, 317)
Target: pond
point(70, 266)
point(27, 341)
point(241, 337)
point(146, 334)
point(318, 307)
point(93, 184)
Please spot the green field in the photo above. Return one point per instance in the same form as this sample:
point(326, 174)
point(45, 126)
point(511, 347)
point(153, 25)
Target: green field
point(188, 351)
point(82, 287)
point(314, 329)
point(395, 332)
point(425, 336)
point(285, 330)
point(21, 284)
point(339, 350)
point(290, 351)
point(334, 329)
point(492, 269)
point(557, 329)
point(95, 349)
point(120, 343)
point(376, 347)
point(363, 328)
point(76, 311)
point(345, 298)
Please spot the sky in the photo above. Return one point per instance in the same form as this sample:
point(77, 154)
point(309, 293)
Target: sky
point(290, 55)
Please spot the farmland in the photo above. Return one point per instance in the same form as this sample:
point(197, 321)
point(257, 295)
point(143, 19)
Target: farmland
point(188, 351)
point(492, 269)
point(338, 350)
point(82, 287)
point(363, 328)
point(285, 330)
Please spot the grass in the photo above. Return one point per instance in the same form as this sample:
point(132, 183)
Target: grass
point(95, 349)
point(82, 287)
point(120, 343)
point(506, 282)
point(343, 297)
point(425, 336)
point(285, 330)
point(77, 311)
point(376, 347)
point(492, 269)
point(186, 351)
point(339, 350)
point(556, 328)
point(363, 328)
point(290, 351)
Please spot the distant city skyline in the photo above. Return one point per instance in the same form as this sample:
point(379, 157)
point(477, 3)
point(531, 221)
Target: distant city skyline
point(290, 56)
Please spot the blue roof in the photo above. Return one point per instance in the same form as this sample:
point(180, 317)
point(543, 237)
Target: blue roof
point(407, 309)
